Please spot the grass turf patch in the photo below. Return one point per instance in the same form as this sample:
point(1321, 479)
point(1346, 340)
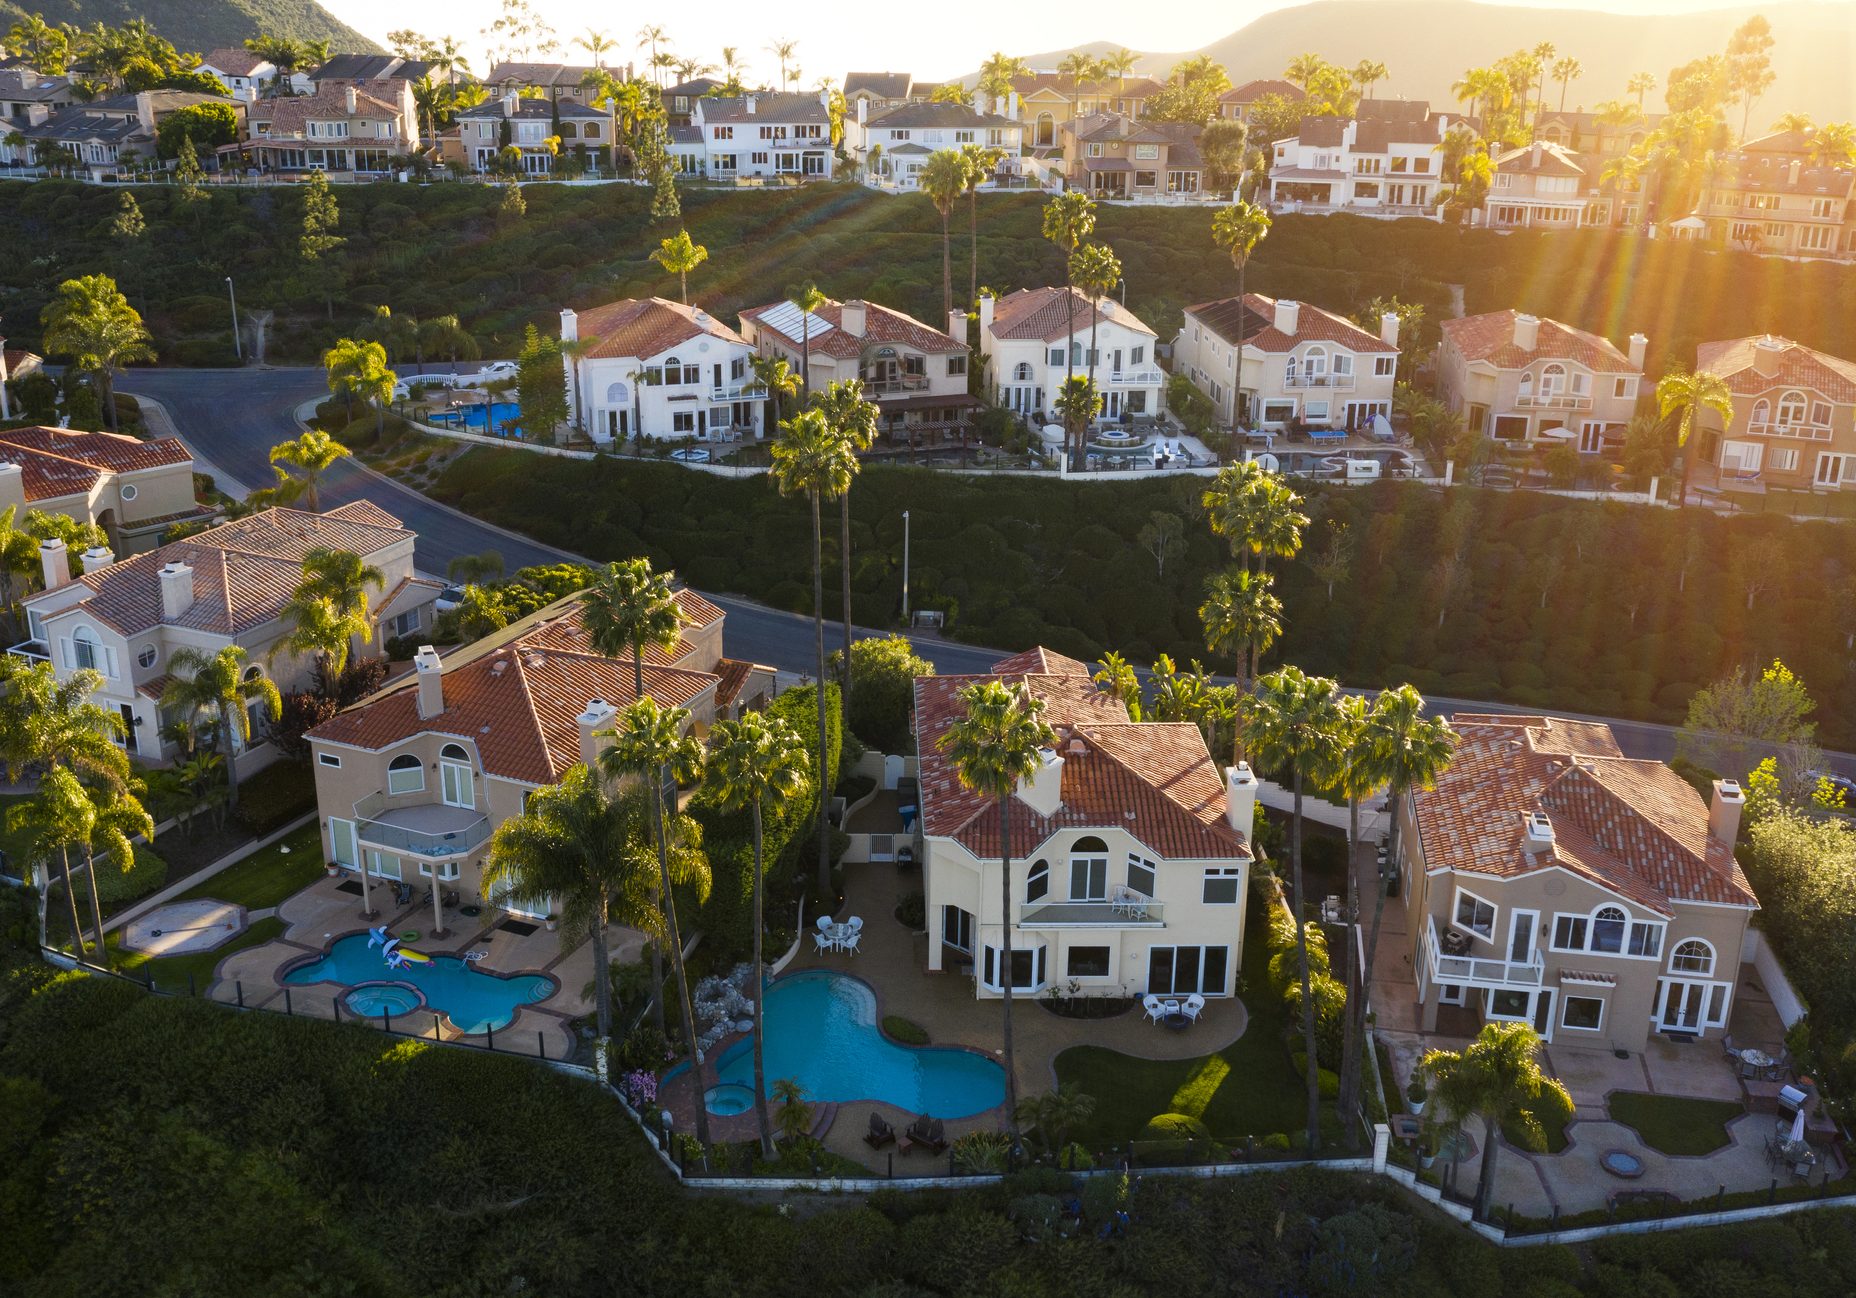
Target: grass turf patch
point(1675, 1124)
point(1249, 1088)
point(269, 874)
point(171, 972)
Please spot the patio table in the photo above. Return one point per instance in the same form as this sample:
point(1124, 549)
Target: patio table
point(1754, 1061)
point(838, 933)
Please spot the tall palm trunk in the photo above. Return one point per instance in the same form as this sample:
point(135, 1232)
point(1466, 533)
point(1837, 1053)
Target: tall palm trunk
point(1485, 1183)
point(1069, 353)
point(1350, 1042)
point(844, 570)
point(947, 272)
point(230, 740)
point(657, 947)
point(1356, 1011)
point(1005, 973)
point(1094, 321)
point(70, 895)
point(824, 773)
point(1237, 399)
point(973, 252)
point(676, 960)
point(96, 898)
point(760, 998)
point(602, 982)
point(1312, 1070)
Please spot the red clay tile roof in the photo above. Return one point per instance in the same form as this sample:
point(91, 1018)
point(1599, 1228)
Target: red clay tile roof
point(643, 327)
point(1491, 338)
point(567, 631)
point(1312, 324)
point(1635, 828)
point(243, 572)
point(1041, 662)
point(58, 462)
point(233, 62)
point(517, 701)
point(1066, 85)
point(1154, 780)
point(1799, 366)
point(1553, 160)
point(1251, 91)
point(286, 116)
point(1042, 313)
point(881, 325)
point(734, 674)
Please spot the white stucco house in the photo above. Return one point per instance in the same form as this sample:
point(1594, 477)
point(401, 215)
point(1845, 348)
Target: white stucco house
point(1302, 364)
point(765, 135)
point(660, 369)
point(1025, 337)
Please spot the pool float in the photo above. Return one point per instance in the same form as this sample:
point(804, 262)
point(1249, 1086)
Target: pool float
point(396, 955)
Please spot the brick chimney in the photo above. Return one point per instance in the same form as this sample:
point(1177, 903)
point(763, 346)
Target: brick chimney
point(1288, 316)
point(54, 563)
point(430, 670)
point(176, 590)
point(1526, 331)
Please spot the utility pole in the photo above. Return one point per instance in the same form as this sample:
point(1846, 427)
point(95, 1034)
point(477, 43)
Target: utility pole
point(238, 347)
point(905, 568)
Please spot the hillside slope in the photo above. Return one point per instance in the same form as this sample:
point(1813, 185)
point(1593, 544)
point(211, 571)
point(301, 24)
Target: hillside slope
point(200, 25)
point(1815, 46)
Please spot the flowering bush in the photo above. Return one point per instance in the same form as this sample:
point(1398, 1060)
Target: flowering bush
point(639, 1088)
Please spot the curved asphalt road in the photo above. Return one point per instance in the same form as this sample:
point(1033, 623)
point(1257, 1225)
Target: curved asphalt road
point(231, 419)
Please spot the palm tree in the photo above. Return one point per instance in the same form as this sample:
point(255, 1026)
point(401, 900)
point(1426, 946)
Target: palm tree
point(1238, 229)
point(1095, 270)
point(1683, 396)
point(328, 610)
point(397, 334)
point(854, 418)
point(468, 569)
point(1398, 746)
point(90, 321)
point(808, 297)
point(1639, 85)
point(783, 50)
point(750, 761)
point(627, 609)
point(1069, 220)
point(311, 454)
point(1833, 145)
point(1116, 675)
point(59, 816)
point(19, 562)
point(680, 255)
point(353, 368)
point(1498, 1078)
point(117, 815)
point(442, 335)
point(1293, 722)
point(944, 179)
point(981, 162)
point(1350, 771)
point(1242, 617)
point(811, 459)
point(1566, 71)
point(1118, 64)
point(776, 375)
point(650, 35)
point(649, 744)
point(1074, 407)
point(218, 686)
point(595, 43)
point(994, 746)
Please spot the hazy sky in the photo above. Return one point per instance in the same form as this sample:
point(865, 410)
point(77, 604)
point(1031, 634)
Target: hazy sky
point(835, 37)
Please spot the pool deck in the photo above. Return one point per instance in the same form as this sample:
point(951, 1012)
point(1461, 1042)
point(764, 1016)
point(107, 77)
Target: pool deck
point(320, 913)
point(894, 961)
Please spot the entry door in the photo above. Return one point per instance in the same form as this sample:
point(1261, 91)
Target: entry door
point(455, 783)
point(1683, 1004)
point(1521, 936)
point(1833, 470)
point(1591, 437)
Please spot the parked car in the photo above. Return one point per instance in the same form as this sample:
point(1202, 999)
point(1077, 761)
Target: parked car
point(1842, 783)
point(495, 372)
point(449, 598)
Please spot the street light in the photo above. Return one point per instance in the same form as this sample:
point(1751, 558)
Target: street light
point(905, 567)
point(238, 348)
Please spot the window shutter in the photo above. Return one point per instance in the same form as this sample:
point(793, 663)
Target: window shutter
point(64, 651)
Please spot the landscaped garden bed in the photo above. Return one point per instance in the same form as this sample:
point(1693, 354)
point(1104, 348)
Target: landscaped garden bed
point(1675, 1124)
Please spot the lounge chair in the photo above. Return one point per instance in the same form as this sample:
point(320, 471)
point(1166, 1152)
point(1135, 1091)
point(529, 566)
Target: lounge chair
point(1151, 1006)
point(1194, 1006)
point(927, 1132)
point(880, 1133)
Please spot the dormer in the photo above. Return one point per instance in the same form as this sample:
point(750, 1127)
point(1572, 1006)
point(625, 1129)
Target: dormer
point(1537, 833)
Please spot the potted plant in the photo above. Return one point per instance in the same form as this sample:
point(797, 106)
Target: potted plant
point(332, 868)
point(554, 922)
point(1415, 1096)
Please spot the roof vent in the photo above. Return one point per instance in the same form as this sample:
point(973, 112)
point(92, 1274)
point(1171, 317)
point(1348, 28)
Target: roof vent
point(1539, 831)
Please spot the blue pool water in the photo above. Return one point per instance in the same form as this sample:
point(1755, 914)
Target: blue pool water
point(473, 420)
point(822, 1032)
point(475, 1001)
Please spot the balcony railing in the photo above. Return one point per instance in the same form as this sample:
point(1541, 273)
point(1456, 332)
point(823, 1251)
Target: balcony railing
point(428, 829)
point(1477, 971)
point(1136, 378)
point(1332, 382)
point(896, 387)
point(1772, 428)
point(34, 651)
point(1553, 401)
point(1127, 913)
point(738, 392)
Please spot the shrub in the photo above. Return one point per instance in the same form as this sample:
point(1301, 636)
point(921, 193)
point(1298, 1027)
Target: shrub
point(1173, 1126)
point(645, 1050)
point(981, 1152)
point(1277, 1142)
point(903, 1030)
point(274, 797)
point(146, 874)
point(912, 911)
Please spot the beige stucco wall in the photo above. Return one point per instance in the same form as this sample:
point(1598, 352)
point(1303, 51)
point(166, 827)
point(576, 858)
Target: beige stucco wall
point(1463, 384)
point(1842, 439)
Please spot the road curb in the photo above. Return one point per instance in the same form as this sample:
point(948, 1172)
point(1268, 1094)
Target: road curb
point(221, 479)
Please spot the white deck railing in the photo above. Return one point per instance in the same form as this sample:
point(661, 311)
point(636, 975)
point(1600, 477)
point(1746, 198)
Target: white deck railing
point(1479, 971)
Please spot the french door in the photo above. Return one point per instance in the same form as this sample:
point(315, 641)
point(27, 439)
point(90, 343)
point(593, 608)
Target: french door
point(1180, 970)
point(1691, 1006)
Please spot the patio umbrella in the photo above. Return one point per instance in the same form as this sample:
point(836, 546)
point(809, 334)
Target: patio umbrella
point(1798, 1126)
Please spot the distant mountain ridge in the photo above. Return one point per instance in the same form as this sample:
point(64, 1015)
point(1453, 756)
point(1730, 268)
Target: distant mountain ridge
point(201, 25)
point(1428, 44)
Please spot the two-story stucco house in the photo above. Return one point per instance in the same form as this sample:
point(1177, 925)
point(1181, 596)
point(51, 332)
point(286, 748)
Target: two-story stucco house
point(1539, 184)
point(102, 133)
point(412, 781)
point(133, 490)
point(244, 73)
point(916, 374)
point(660, 369)
point(1384, 160)
point(1772, 194)
point(339, 128)
point(1550, 880)
point(1109, 156)
point(1302, 365)
point(1235, 105)
point(227, 585)
point(1130, 862)
point(27, 98)
point(894, 144)
point(766, 136)
point(1520, 378)
point(1794, 421)
point(541, 129)
point(1046, 100)
point(1026, 336)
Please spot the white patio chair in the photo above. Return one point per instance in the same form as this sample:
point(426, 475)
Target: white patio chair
point(1194, 1006)
point(1153, 1008)
point(855, 923)
point(824, 943)
point(824, 924)
point(849, 944)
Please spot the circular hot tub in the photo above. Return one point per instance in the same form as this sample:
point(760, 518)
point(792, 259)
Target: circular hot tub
point(371, 1000)
point(728, 1099)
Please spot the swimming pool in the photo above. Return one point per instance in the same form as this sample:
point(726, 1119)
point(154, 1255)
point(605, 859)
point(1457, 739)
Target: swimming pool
point(471, 417)
point(822, 1033)
point(475, 1001)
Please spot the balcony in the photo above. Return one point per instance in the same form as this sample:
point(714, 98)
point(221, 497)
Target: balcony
point(900, 386)
point(746, 391)
point(1477, 971)
point(1130, 912)
point(33, 651)
point(1772, 428)
point(1136, 378)
point(428, 829)
point(1552, 401)
point(1323, 381)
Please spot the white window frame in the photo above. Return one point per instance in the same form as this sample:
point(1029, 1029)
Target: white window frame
point(1566, 1000)
point(993, 957)
point(1139, 862)
point(447, 871)
point(377, 865)
point(456, 783)
point(1675, 953)
point(1525, 1016)
point(418, 769)
point(1456, 909)
point(1232, 874)
point(329, 759)
point(1038, 873)
point(342, 836)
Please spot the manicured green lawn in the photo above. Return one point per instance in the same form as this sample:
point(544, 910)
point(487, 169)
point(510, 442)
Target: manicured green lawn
point(268, 875)
point(1250, 1088)
point(170, 972)
point(1675, 1124)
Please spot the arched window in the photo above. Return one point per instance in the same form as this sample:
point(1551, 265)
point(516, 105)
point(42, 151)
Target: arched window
point(406, 774)
point(1608, 926)
point(1692, 956)
point(619, 394)
point(87, 651)
point(1315, 361)
point(1089, 870)
point(1552, 379)
point(454, 753)
point(454, 780)
point(1791, 409)
point(1037, 882)
point(1762, 412)
point(1022, 374)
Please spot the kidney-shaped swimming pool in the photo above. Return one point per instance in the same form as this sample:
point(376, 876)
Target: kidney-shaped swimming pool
point(822, 1033)
point(476, 1001)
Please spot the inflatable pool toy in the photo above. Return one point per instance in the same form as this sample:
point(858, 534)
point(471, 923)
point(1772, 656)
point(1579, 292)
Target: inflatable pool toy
point(396, 955)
